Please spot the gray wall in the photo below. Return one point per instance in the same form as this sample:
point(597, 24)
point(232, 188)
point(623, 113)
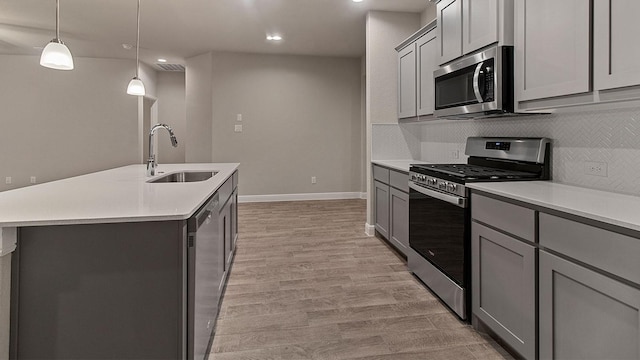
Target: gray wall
point(171, 111)
point(198, 95)
point(301, 118)
point(57, 124)
point(385, 30)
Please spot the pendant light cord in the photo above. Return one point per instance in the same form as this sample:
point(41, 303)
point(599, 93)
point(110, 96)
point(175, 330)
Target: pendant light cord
point(138, 41)
point(58, 19)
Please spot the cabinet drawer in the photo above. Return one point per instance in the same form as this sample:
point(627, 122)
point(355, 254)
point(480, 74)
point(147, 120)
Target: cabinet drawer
point(511, 218)
point(609, 251)
point(381, 174)
point(399, 180)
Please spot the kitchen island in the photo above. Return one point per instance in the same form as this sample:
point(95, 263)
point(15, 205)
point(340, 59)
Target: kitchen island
point(109, 264)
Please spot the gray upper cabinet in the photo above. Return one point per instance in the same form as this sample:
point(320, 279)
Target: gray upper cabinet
point(407, 82)
point(616, 52)
point(584, 314)
point(467, 26)
point(426, 50)
point(552, 49)
point(479, 24)
point(449, 15)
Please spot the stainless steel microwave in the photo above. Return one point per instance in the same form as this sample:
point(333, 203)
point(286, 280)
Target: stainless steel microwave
point(477, 86)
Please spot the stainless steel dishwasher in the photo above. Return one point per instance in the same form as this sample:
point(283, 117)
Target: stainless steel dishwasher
point(206, 261)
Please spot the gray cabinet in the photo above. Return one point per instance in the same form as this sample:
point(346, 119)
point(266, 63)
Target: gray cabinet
point(427, 63)
point(616, 52)
point(552, 48)
point(391, 208)
point(479, 24)
point(381, 216)
point(585, 314)
point(407, 82)
point(449, 15)
point(467, 26)
point(504, 273)
point(399, 219)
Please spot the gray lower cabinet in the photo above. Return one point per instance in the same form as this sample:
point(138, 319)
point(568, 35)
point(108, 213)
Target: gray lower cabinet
point(503, 271)
point(585, 314)
point(504, 287)
point(391, 196)
point(399, 219)
point(381, 216)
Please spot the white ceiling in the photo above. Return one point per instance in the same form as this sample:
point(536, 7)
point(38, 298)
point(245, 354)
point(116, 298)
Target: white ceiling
point(178, 29)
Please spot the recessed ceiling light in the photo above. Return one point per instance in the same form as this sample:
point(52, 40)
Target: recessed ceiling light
point(274, 37)
point(356, 0)
point(162, 60)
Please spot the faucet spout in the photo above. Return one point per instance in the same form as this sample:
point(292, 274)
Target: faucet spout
point(151, 161)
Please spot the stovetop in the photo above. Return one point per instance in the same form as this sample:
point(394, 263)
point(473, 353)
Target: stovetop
point(468, 172)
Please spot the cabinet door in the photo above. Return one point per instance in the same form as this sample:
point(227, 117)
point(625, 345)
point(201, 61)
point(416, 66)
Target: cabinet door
point(426, 49)
point(616, 54)
point(382, 208)
point(503, 280)
point(586, 315)
point(399, 229)
point(407, 82)
point(449, 30)
point(479, 24)
point(551, 48)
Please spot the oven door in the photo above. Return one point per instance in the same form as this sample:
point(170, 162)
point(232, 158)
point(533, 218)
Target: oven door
point(438, 231)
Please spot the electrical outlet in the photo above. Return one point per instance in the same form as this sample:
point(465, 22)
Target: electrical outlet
point(237, 128)
point(313, 179)
point(455, 154)
point(7, 180)
point(33, 179)
point(595, 168)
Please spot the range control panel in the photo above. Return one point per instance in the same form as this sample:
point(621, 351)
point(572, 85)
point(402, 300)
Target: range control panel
point(498, 145)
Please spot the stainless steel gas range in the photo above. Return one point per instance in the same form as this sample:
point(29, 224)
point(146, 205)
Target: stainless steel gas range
point(440, 213)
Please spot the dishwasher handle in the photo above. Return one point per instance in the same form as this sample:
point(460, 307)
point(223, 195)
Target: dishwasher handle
point(207, 211)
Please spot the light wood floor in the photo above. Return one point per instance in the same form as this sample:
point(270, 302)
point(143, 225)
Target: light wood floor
point(308, 284)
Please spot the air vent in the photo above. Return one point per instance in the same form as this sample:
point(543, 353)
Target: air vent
point(170, 67)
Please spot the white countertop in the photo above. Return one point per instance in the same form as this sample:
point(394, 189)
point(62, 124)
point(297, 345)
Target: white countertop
point(612, 208)
point(117, 195)
point(400, 165)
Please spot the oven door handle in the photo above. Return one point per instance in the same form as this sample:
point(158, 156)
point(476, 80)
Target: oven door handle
point(451, 199)
point(476, 83)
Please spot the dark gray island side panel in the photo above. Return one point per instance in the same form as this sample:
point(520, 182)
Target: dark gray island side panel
point(99, 291)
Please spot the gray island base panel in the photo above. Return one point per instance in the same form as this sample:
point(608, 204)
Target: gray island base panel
point(100, 291)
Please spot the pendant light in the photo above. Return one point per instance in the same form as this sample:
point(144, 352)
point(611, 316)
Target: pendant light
point(56, 54)
point(136, 86)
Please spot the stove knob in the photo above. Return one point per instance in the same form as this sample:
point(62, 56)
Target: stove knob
point(433, 182)
point(413, 177)
point(452, 187)
point(423, 178)
point(442, 185)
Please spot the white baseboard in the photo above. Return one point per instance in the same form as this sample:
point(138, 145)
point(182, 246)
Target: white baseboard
point(369, 230)
point(301, 197)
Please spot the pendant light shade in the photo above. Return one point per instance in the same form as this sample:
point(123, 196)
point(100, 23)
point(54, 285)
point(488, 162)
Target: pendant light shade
point(56, 54)
point(136, 86)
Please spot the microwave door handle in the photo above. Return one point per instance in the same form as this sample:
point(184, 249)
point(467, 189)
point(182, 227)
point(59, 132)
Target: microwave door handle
point(476, 83)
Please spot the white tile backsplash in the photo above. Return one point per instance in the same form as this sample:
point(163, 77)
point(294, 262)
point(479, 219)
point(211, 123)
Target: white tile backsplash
point(392, 142)
point(611, 136)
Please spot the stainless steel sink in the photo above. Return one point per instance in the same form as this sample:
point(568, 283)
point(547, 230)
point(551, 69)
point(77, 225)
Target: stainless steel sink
point(185, 176)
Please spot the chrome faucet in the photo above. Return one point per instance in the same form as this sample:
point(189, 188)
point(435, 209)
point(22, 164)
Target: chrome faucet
point(151, 161)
